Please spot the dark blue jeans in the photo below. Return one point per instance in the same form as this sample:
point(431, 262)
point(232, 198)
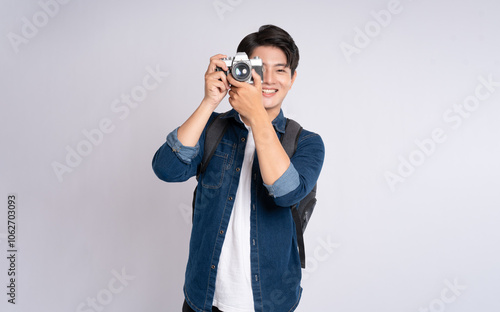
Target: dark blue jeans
point(187, 308)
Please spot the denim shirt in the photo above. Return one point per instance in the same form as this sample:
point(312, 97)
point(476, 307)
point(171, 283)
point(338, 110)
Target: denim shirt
point(275, 262)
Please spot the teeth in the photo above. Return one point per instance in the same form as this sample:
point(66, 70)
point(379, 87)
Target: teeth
point(269, 91)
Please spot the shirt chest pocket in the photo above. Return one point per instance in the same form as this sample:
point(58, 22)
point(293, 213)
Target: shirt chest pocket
point(221, 161)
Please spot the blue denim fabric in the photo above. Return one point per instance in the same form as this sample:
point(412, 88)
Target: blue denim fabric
point(185, 153)
point(275, 262)
point(288, 181)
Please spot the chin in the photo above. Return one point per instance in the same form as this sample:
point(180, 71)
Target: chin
point(270, 103)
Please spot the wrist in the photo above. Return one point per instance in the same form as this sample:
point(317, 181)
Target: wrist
point(258, 118)
point(208, 105)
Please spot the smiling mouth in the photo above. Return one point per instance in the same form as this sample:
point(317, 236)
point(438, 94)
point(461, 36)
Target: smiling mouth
point(269, 91)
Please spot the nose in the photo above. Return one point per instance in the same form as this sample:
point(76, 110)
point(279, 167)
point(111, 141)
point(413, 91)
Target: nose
point(268, 76)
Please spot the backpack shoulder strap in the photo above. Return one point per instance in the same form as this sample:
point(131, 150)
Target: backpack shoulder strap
point(213, 135)
point(290, 139)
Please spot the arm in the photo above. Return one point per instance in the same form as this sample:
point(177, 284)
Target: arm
point(216, 87)
point(288, 180)
point(273, 160)
point(246, 99)
point(176, 160)
point(307, 162)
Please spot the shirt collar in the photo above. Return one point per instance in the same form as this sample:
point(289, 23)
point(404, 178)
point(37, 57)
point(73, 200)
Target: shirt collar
point(279, 122)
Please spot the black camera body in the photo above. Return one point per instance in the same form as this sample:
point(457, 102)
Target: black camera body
point(240, 67)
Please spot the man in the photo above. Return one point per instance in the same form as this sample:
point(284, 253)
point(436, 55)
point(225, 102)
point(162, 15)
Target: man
point(243, 251)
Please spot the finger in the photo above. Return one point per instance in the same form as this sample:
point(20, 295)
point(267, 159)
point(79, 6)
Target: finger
point(233, 81)
point(216, 61)
point(218, 57)
point(220, 86)
point(218, 75)
point(212, 67)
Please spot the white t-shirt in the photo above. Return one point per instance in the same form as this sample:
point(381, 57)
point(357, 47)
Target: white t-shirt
point(233, 286)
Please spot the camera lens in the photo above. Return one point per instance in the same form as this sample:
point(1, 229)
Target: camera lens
point(241, 71)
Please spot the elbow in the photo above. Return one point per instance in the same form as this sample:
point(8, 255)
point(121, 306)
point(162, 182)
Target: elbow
point(292, 197)
point(171, 169)
point(160, 170)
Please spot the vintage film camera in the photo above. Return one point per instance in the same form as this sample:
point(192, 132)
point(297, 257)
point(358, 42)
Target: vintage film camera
point(241, 67)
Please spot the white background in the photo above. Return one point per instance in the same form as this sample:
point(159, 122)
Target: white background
point(369, 247)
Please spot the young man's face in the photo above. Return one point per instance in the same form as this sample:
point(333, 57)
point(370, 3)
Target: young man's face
point(277, 78)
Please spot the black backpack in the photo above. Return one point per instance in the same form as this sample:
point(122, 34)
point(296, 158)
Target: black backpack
point(301, 211)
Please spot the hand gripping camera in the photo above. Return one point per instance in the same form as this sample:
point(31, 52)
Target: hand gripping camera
point(241, 67)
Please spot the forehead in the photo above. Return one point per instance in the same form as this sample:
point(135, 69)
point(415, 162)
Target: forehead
point(270, 55)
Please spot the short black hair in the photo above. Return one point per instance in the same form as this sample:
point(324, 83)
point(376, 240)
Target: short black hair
point(274, 36)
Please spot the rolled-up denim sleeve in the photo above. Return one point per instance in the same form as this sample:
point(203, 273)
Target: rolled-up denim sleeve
point(185, 153)
point(288, 182)
point(301, 177)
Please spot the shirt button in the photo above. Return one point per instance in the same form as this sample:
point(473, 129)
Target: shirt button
point(213, 266)
point(238, 169)
point(243, 139)
point(221, 232)
point(230, 198)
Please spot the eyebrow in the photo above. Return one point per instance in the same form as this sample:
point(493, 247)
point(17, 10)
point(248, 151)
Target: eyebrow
point(276, 65)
